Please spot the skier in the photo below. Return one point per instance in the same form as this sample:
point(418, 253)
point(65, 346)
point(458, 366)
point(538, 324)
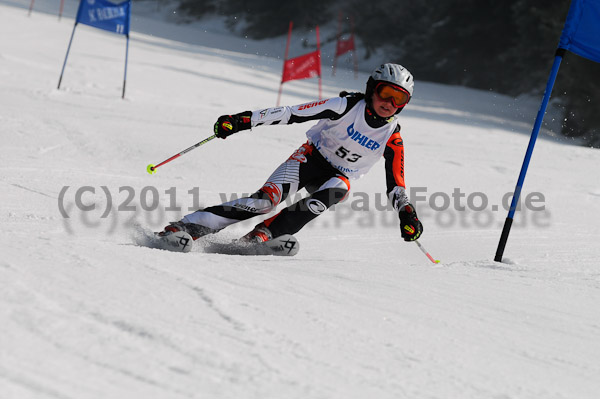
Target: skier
point(353, 132)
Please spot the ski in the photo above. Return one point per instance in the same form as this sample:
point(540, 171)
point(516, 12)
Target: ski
point(285, 245)
point(180, 241)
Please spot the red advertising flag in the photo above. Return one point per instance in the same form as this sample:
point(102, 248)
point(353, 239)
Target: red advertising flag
point(303, 67)
point(344, 46)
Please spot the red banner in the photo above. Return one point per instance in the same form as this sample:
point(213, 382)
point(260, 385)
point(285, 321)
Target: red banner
point(303, 67)
point(344, 46)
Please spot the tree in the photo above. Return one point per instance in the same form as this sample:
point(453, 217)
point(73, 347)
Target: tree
point(506, 46)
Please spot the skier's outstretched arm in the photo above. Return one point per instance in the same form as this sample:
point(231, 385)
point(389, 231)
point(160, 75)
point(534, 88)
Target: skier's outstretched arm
point(331, 108)
point(410, 225)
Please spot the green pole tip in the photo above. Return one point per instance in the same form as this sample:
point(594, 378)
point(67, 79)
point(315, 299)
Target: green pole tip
point(150, 169)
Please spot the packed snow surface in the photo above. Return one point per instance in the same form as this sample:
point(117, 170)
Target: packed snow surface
point(358, 313)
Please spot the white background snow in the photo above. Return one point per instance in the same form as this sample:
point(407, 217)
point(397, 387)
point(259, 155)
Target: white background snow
point(358, 313)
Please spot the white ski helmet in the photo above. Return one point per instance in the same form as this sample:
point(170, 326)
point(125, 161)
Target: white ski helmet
point(393, 73)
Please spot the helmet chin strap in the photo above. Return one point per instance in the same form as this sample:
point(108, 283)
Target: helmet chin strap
point(373, 119)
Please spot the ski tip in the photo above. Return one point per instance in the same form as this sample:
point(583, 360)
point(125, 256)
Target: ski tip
point(179, 241)
point(176, 242)
point(285, 245)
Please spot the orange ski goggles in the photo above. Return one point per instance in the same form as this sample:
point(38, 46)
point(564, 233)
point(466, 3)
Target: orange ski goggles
point(388, 92)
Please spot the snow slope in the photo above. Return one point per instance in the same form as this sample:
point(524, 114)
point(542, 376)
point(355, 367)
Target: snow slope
point(358, 313)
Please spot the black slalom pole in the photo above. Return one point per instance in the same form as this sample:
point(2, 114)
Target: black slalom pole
point(67, 55)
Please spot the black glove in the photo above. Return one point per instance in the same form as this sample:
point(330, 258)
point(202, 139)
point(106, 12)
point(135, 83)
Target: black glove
point(226, 125)
point(410, 226)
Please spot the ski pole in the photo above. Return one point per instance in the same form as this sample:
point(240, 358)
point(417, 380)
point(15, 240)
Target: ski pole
point(422, 248)
point(152, 168)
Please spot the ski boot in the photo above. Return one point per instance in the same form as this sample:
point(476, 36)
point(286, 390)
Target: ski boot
point(260, 234)
point(195, 230)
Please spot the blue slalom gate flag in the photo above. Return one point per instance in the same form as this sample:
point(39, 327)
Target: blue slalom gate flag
point(581, 34)
point(103, 14)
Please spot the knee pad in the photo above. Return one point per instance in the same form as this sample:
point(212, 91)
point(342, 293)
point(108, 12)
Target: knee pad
point(273, 191)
